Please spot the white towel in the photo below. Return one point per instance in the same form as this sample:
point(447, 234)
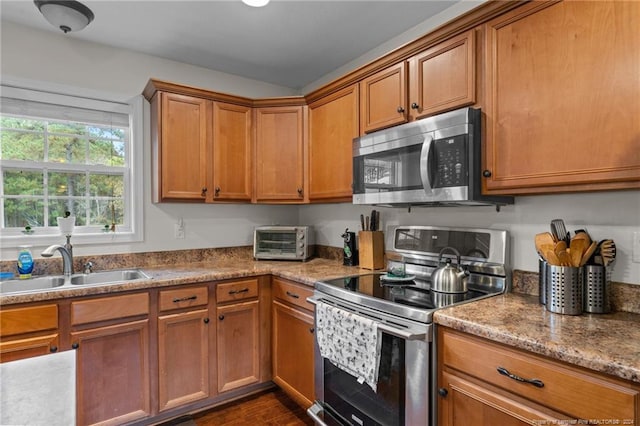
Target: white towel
point(351, 342)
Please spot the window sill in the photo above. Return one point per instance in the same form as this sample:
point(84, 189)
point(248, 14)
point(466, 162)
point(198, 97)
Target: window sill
point(14, 241)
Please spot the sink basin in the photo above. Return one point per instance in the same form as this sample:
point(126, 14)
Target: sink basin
point(108, 277)
point(39, 284)
point(31, 284)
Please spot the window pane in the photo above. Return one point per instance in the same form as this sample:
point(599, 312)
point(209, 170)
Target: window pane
point(58, 206)
point(66, 149)
point(20, 182)
point(21, 123)
point(106, 185)
point(70, 128)
point(17, 145)
point(104, 212)
point(71, 184)
point(19, 213)
point(106, 132)
point(106, 152)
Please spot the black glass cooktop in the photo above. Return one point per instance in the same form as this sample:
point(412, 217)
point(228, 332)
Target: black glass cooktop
point(416, 293)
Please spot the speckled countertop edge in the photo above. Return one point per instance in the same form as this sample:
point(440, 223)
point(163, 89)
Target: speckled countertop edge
point(606, 343)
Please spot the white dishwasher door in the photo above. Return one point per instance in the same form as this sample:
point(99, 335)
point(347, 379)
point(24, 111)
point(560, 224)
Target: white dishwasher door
point(39, 390)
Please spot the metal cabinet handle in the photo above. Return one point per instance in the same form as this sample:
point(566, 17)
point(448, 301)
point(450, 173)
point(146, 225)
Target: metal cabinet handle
point(206, 320)
point(244, 290)
point(53, 349)
point(415, 106)
point(220, 317)
point(184, 299)
point(443, 392)
point(535, 382)
point(217, 191)
point(75, 345)
point(204, 191)
point(295, 296)
point(400, 109)
point(486, 173)
point(300, 192)
point(312, 330)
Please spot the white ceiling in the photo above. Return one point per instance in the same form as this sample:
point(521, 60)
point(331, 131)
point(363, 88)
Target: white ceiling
point(290, 43)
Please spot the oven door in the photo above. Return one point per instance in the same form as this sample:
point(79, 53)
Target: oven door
point(391, 172)
point(402, 395)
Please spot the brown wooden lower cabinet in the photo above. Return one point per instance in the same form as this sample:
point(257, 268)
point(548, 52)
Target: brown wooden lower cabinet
point(472, 390)
point(28, 331)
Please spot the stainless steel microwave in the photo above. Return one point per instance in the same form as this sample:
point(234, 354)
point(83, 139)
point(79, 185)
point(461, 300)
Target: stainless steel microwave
point(283, 242)
point(433, 161)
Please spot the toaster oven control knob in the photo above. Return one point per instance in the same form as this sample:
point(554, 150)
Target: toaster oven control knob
point(486, 173)
point(443, 392)
point(301, 245)
point(300, 253)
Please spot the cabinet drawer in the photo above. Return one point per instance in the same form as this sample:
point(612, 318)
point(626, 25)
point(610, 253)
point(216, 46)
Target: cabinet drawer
point(183, 298)
point(290, 292)
point(108, 308)
point(28, 320)
point(568, 390)
point(237, 290)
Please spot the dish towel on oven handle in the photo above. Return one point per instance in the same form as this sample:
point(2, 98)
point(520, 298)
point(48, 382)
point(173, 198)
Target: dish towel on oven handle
point(351, 342)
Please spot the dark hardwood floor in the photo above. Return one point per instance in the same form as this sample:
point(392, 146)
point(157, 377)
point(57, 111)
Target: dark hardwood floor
point(272, 407)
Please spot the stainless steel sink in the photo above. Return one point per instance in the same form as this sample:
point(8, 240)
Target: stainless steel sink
point(45, 283)
point(31, 284)
point(108, 277)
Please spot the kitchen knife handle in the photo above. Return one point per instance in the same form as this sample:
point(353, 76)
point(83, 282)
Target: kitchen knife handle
point(362, 222)
point(535, 382)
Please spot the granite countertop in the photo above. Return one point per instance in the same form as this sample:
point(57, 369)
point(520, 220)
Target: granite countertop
point(606, 343)
point(189, 273)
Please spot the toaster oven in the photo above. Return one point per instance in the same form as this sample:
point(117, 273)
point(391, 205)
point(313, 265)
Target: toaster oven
point(283, 242)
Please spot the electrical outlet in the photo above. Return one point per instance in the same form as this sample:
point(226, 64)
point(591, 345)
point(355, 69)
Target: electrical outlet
point(178, 229)
point(636, 247)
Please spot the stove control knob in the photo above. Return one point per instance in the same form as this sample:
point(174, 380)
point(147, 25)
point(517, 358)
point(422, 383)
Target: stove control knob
point(443, 392)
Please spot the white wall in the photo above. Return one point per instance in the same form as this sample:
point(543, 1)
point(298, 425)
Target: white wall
point(614, 215)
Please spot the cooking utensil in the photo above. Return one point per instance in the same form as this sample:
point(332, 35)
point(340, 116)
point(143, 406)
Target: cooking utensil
point(448, 278)
point(366, 223)
point(608, 252)
point(561, 252)
point(576, 249)
point(362, 222)
point(543, 242)
point(551, 257)
point(374, 220)
point(588, 253)
point(560, 230)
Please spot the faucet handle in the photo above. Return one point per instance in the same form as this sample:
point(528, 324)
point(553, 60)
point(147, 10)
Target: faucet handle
point(88, 267)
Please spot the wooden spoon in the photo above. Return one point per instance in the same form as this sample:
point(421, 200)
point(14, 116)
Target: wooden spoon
point(543, 242)
point(561, 253)
point(577, 249)
point(551, 258)
point(588, 253)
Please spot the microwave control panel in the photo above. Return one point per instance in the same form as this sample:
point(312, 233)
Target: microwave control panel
point(451, 164)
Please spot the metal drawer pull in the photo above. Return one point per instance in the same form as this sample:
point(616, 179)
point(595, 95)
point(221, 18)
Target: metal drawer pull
point(184, 299)
point(535, 382)
point(295, 296)
point(244, 290)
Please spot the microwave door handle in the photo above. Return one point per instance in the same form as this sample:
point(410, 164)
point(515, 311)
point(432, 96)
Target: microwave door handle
point(425, 164)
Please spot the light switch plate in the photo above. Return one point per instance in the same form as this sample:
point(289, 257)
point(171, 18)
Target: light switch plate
point(636, 247)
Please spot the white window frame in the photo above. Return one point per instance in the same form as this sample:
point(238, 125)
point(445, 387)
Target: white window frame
point(133, 197)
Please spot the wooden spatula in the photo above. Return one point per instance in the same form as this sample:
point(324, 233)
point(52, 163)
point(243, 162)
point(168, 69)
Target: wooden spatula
point(588, 253)
point(577, 249)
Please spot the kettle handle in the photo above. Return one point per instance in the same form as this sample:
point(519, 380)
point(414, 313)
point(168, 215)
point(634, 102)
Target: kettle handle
point(451, 249)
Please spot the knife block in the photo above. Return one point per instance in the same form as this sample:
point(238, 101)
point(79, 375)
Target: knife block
point(371, 251)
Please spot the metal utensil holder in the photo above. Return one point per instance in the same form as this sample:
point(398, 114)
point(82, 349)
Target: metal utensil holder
point(542, 281)
point(597, 289)
point(564, 289)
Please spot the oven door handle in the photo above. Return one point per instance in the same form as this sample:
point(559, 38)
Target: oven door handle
point(406, 334)
point(314, 412)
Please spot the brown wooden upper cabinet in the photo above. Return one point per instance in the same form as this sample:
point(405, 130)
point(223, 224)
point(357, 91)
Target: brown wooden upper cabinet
point(563, 104)
point(279, 176)
point(333, 123)
point(438, 79)
point(201, 148)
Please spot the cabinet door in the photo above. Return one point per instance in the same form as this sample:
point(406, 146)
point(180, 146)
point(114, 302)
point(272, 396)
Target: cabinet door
point(232, 158)
point(28, 331)
point(293, 335)
point(238, 345)
point(279, 154)
point(462, 403)
point(333, 123)
point(26, 347)
point(183, 358)
point(562, 98)
point(113, 373)
point(383, 99)
point(182, 151)
point(443, 77)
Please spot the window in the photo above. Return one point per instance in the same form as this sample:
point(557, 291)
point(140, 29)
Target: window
point(63, 155)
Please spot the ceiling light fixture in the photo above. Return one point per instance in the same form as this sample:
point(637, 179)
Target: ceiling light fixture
point(66, 15)
point(255, 3)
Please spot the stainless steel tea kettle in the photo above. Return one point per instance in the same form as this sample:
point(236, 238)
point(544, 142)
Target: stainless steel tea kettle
point(448, 278)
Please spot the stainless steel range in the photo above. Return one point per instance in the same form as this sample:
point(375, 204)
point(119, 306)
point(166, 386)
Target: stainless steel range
point(400, 311)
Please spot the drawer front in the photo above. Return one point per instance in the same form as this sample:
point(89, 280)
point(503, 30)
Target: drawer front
point(183, 298)
point(293, 293)
point(237, 290)
point(28, 320)
point(109, 308)
point(579, 394)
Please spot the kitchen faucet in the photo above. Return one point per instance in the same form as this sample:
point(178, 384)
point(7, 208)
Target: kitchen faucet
point(67, 258)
